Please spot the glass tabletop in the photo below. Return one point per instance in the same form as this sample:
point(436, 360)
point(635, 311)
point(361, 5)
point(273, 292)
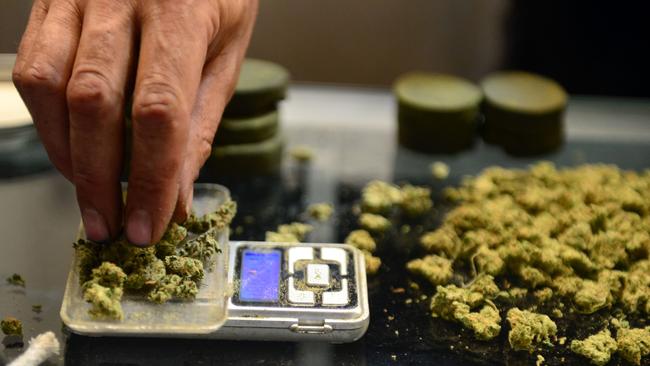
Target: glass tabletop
point(39, 217)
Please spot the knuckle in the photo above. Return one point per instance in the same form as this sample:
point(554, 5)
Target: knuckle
point(85, 179)
point(39, 77)
point(204, 151)
point(157, 102)
point(90, 91)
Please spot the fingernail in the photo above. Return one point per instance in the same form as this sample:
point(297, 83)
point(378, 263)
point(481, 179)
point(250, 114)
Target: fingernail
point(95, 226)
point(188, 204)
point(138, 228)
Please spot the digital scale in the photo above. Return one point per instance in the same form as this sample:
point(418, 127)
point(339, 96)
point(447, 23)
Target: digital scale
point(252, 291)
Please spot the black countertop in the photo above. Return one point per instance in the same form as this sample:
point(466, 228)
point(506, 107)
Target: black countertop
point(38, 221)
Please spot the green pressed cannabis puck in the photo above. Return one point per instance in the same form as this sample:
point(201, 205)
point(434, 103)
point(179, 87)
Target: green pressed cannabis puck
point(523, 112)
point(247, 130)
point(261, 85)
point(436, 112)
point(256, 158)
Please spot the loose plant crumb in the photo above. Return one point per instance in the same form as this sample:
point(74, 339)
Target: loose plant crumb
point(380, 197)
point(557, 313)
point(543, 295)
point(320, 211)
point(372, 263)
point(11, 326)
point(439, 170)
point(298, 229)
point(37, 308)
point(16, 280)
point(374, 223)
point(289, 233)
point(416, 201)
point(275, 237)
point(362, 240)
point(302, 153)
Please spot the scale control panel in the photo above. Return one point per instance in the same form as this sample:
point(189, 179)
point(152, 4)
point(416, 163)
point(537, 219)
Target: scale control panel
point(294, 276)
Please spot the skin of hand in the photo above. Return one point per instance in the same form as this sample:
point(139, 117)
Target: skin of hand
point(77, 61)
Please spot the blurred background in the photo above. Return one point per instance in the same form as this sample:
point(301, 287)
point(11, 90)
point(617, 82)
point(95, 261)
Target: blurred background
point(590, 47)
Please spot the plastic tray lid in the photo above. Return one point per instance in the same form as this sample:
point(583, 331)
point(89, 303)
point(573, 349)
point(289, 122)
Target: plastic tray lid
point(205, 314)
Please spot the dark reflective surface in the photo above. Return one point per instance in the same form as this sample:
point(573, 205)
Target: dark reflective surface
point(40, 218)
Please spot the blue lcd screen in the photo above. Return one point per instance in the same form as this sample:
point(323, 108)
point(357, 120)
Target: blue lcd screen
point(260, 276)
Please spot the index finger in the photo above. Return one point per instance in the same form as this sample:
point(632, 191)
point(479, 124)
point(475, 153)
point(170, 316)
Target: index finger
point(172, 55)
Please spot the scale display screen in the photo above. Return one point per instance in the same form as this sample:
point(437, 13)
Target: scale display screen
point(260, 276)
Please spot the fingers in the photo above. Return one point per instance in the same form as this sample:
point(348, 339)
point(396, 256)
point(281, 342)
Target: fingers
point(36, 18)
point(172, 54)
point(217, 85)
point(41, 73)
point(95, 97)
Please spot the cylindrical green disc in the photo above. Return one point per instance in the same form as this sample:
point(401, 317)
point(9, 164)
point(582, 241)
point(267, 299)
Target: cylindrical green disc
point(257, 158)
point(436, 112)
point(523, 92)
point(523, 112)
point(247, 130)
point(261, 85)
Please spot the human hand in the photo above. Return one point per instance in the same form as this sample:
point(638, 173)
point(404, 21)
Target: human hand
point(79, 58)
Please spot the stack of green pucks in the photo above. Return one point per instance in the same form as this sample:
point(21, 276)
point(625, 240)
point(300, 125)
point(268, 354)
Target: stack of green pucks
point(523, 112)
point(248, 140)
point(436, 113)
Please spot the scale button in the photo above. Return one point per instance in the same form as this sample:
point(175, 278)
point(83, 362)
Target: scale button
point(299, 253)
point(298, 296)
point(338, 255)
point(318, 274)
point(337, 297)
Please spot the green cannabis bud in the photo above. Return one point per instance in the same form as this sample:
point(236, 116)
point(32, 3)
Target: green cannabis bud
point(294, 232)
point(416, 201)
point(11, 326)
point(527, 329)
point(380, 197)
point(173, 286)
point(362, 240)
point(174, 235)
point(171, 269)
point(578, 236)
point(320, 211)
point(374, 223)
point(598, 348)
point(435, 269)
point(108, 275)
point(219, 219)
point(184, 267)
point(633, 344)
point(105, 301)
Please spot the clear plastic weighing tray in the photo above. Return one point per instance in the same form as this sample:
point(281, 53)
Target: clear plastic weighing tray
point(205, 314)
